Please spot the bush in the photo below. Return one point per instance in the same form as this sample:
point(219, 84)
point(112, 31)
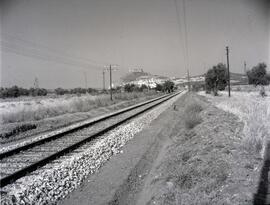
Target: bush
point(38, 92)
point(61, 91)
point(17, 130)
point(134, 88)
point(143, 87)
point(192, 115)
point(168, 86)
point(159, 87)
point(129, 87)
point(16, 91)
point(194, 108)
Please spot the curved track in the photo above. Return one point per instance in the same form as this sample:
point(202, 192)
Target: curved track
point(18, 162)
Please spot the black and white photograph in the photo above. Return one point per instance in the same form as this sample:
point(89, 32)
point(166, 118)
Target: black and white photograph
point(135, 102)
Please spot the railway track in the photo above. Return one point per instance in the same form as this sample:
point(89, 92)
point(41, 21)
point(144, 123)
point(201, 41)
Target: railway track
point(22, 160)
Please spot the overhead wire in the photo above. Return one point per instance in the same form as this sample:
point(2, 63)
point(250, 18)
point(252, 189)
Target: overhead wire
point(36, 45)
point(180, 31)
point(184, 40)
point(31, 49)
point(186, 33)
point(48, 58)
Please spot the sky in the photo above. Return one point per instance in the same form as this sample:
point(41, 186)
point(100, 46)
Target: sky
point(67, 43)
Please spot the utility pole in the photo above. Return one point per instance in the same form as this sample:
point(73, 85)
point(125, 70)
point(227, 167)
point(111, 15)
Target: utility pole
point(110, 68)
point(36, 84)
point(85, 79)
point(245, 67)
point(188, 78)
point(228, 67)
point(111, 81)
point(103, 73)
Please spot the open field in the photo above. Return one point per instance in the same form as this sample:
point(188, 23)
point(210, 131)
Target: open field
point(248, 88)
point(50, 113)
point(40, 108)
point(253, 110)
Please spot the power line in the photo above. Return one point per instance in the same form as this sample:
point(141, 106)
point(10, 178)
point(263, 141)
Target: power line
point(31, 49)
point(180, 30)
point(48, 58)
point(186, 32)
point(184, 38)
point(39, 46)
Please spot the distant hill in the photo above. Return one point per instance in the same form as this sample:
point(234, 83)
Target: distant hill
point(135, 76)
point(236, 78)
point(132, 76)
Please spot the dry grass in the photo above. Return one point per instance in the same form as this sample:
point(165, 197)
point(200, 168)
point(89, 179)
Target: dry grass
point(23, 111)
point(192, 115)
point(249, 88)
point(254, 112)
point(199, 166)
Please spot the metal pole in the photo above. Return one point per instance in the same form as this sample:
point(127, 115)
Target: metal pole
point(228, 67)
point(111, 81)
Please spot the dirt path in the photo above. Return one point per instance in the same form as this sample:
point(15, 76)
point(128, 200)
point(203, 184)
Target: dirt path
point(168, 163)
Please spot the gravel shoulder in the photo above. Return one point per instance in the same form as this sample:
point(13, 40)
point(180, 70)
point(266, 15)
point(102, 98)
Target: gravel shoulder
point(167, 163)
point(120, 180)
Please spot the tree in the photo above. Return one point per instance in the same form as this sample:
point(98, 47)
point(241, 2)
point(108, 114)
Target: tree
point(129, 87)
point(168, 86)
point(216, 78)
point(258, 75)
point(60, 91)
point(159, 87)
point(143, 87)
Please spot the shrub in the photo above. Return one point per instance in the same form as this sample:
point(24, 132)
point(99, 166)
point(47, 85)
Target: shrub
point(159, 87)
point(17, 130)
point(129, 87)
point(194, 108)
point(61, 91)
point(143, 87)
point(192, 115)
point(16, 91)
point(168, 86)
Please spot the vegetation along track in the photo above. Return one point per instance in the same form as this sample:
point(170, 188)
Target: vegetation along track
point(18, 162)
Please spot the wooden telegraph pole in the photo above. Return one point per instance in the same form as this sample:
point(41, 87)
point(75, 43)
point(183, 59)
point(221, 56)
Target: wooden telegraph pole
point(110, 68)
point(85, 79)
point(111, 81)
point(188, 77)
point(103, 75)
point(228, 67)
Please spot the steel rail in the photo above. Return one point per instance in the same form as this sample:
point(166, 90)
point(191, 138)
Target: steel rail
point(74, 129)
point(28, 169)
